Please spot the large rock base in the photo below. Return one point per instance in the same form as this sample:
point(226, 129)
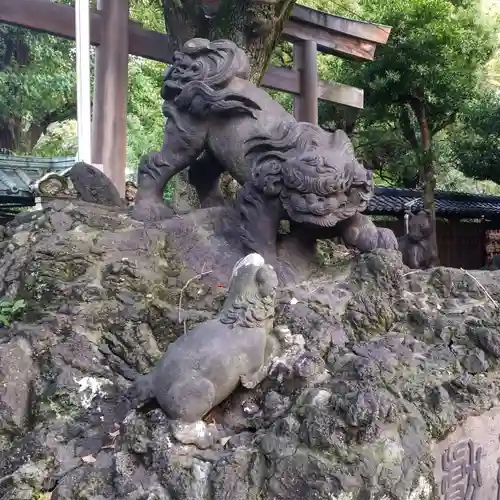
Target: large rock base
point(387, 388)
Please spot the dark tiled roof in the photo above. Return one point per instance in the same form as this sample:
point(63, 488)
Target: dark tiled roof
point(391, 201)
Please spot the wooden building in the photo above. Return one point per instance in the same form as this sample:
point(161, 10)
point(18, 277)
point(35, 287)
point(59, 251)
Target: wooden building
point(467, 224)
point(116, 36)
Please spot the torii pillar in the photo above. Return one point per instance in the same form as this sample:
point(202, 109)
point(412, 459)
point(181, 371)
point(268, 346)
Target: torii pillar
point(305, 105)
point(109, 120)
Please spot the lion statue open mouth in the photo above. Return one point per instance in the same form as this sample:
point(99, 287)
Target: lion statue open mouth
point(219, 121)
point(314, 173)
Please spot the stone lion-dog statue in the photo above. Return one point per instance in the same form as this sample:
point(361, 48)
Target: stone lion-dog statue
point(203, 367)
point(217, 120)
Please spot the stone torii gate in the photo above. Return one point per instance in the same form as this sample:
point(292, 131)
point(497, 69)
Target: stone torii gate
point(116, 36)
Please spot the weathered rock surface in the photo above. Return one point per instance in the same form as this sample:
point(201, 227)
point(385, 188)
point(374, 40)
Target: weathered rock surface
point(383, 366)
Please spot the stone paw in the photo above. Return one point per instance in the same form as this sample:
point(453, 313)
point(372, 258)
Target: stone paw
point(151, 212)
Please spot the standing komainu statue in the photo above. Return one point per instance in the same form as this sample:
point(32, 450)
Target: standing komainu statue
point(415, 244)
point(217, 120)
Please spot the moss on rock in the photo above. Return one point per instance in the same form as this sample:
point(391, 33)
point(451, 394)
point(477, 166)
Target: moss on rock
point(381, 363)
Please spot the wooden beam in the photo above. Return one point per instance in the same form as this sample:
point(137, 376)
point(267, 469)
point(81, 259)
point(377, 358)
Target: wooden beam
point(54, 18)
point(309, 82)
point(59, 20)
point(47, 16)
point(330, 42)
point(98, 101)
point(341, 94)
point(149, 44)
point(288, 80)
point(376, 33)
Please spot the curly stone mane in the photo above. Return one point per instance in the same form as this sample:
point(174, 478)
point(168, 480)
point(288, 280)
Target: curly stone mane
point(252, 292)
point(197, 80)
point(315, 174)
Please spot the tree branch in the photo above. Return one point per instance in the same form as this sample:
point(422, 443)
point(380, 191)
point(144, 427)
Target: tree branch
point(38, 128)
point(407, 129)
point(440, 125)
point(66, 112)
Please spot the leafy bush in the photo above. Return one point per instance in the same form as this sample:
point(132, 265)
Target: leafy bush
point(10, 310)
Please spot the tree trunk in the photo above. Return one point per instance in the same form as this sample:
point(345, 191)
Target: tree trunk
point(32, 136)
point(254, 25)
point(9, 135)
point(427, 176)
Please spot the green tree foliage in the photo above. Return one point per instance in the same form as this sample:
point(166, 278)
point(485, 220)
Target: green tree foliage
point(431, 62)
point(38, 91)
point(149, 13)
point(59, 140)
point(476, 140)
point(37, 86)
point(145, 121)
point(418, 82)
